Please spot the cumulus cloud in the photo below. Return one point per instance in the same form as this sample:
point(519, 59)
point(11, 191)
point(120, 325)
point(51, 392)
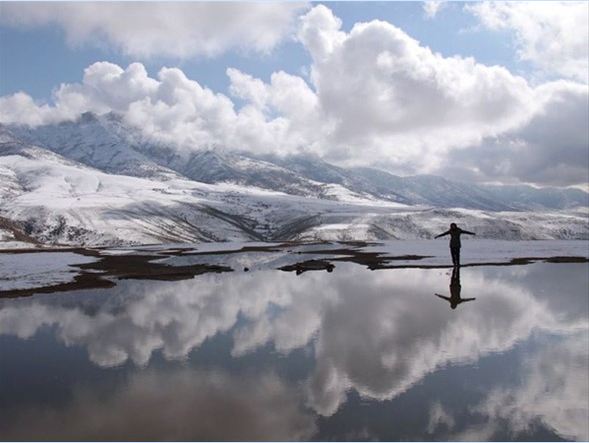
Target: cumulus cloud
point(177, 110)
point(174, 29)
point(391, 97)
point(286, 111)
point(20, 108)
point(376, 96)
point(551, 148)
point(551, 35)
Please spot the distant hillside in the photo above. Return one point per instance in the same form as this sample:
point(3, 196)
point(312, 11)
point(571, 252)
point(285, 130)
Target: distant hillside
point(94, 182)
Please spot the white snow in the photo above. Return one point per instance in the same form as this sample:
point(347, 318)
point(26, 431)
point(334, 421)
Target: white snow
point(12, 244)
point(62, 202)
point(37, 269)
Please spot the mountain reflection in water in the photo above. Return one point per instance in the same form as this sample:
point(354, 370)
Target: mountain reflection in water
point(351, 354)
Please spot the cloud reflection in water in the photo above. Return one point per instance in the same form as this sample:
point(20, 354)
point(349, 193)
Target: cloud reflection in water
point(377, 333)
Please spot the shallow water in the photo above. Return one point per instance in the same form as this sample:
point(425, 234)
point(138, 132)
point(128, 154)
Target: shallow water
point(269, 355)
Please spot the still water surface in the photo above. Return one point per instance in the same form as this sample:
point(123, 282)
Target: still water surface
point(269, 355)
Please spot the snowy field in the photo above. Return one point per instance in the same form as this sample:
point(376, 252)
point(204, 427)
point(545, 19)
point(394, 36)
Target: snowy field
point(37, 269)
point(50, 200)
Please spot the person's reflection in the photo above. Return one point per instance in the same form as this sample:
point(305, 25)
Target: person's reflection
point(455, 289)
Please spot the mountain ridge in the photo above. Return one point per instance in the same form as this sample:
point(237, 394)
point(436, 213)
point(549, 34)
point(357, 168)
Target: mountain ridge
point(105, 143)
point(89, 183)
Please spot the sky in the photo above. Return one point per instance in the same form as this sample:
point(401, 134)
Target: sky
point(484, 92)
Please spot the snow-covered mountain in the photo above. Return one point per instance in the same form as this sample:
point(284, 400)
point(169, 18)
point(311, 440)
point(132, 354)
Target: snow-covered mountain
point(96, 182)
point(105, 143)
point(93, 141)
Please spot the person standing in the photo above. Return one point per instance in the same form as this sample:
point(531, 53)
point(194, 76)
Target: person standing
point(455, 233)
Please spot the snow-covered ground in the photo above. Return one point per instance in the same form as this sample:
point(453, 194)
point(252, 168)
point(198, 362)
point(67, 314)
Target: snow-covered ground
point(53, 200)
point(38, 269)
point(7, 241)
point(71, 205)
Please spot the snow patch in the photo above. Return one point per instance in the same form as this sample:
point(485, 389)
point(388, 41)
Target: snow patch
point(38, 269)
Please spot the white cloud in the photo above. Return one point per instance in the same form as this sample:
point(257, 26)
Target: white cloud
point(554, 391)
point(552, 35)
point(552, 148)
point(173, 29)
point(20, 108)
point(286, 106)
point(376, 96)
point(320, 32)
point(432, 7)
point(390, 98)
point(281, 116)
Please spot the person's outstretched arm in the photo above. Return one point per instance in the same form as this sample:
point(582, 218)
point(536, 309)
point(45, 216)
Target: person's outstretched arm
point(462, 231)
point(444, 297)
point(441, 235)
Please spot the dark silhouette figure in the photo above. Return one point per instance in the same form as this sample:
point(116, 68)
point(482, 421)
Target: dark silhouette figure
point(455, 289)
point(455, 232)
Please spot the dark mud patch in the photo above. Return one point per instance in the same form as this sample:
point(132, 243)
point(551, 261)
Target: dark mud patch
point(80, 281)
point(142, 267)
point(94, 252)
point(309, 265)
point(528, 260)
point(372, 260)
point(243, 250)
